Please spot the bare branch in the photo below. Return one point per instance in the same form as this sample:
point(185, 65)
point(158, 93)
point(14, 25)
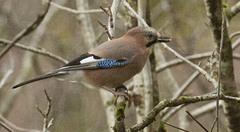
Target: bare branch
point(235, 44)
point(197, 121)
point(105, 10)
point(92, 11)
point(176, 127)
point(120, 108)
point(165, 113)
point(233, 11)
point(16, 127)
point(134, 13)
point(194, 57)
point(205, 109)
point(206, 75)
point(112, 17)
point(172, 112)
point(176, 102)
point(6, 127)
point(174, 62)
point(214, 124)
point(25, 31)
point(47, 123)
point(186, 84)
point(106, 29)
point(5, 77)
point(8, 73)
point(40, 51)
point(234, 34)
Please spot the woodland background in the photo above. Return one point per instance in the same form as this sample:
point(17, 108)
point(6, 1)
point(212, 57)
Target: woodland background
point(68, 34)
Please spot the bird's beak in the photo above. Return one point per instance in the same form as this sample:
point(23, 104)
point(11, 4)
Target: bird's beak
point(163, 39)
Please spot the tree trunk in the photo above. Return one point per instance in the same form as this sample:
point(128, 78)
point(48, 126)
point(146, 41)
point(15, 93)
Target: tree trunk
point(227, 80)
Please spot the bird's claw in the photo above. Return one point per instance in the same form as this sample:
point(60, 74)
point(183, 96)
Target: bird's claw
point(120, 91)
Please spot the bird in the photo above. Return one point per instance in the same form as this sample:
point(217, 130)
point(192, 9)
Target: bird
point(112, 63)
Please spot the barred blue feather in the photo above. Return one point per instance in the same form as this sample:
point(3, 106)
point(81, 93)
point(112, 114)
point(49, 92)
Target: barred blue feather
point(109, 63)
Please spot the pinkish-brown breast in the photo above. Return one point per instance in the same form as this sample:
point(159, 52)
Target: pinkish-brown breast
point(114, 77)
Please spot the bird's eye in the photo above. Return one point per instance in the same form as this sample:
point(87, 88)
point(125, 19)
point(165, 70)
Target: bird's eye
point(150, 36)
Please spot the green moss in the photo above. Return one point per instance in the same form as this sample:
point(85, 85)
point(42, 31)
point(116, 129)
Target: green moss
point(225, 5)
point(114, 128)
point(229, 15)
point(230, 40)
point(120, 111)
point(111, 101)
point(184, 97)
point(215, 77)
point(162, 127)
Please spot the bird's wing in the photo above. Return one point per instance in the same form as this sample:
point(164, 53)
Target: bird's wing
point(91, 62)
point(84, 62)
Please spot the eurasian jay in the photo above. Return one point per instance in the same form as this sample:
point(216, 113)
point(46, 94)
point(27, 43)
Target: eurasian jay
point(112, 63)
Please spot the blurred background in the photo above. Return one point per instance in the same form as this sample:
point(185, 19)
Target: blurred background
point(74, 107)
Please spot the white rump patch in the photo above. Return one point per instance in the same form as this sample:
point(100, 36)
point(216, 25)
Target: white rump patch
point(89, 59)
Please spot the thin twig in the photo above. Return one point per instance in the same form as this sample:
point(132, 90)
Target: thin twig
point(197, 121)
point(10, 124)
point(25, 31)
point(40, 51)
point(40, 111)
point(231, 98)
point(175, 127)
point(49, 103)
point(171, 113)
point(104, 10)
point(109, 13)
point(47, 123)
point(205, 109)
point(8, 73)
point(75, 11)
point(185, 85)
point(106, 29)
point(235, 44)
point(213, 124)
point(6, 127)
point(5, 77)
point(206, 75)
point(134, 13)
point(233, 11)
point(234, 34)
point(194, 57)
point(111, 18)
point(174, 62)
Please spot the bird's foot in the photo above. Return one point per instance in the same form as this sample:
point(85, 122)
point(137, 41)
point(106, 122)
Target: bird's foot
point(121, 91)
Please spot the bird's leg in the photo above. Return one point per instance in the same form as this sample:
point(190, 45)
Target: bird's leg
point(118, 93)
point(121, 90)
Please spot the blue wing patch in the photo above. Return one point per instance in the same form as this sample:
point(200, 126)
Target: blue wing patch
point(109, 63)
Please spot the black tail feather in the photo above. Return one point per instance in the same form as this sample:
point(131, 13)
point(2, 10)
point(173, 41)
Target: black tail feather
point(39, 78)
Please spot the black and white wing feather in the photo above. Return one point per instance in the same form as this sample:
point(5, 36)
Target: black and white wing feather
point(84, 62)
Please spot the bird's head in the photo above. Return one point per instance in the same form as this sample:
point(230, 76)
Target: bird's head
point(147, 36)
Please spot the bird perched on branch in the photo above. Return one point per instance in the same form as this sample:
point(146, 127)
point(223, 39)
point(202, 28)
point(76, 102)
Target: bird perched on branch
point(112, 63)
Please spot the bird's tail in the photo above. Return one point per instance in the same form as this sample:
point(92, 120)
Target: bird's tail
point(40, 78)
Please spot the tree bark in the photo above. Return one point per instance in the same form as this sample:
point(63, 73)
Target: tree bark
point(227, 81)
